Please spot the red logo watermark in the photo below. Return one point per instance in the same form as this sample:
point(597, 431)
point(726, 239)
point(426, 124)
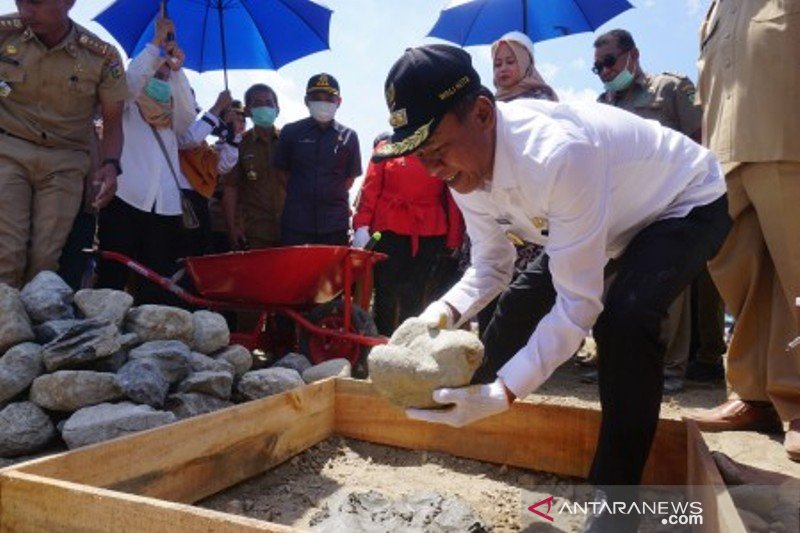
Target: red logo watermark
point(545, 515)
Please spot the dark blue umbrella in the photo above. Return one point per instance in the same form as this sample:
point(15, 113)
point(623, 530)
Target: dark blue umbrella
point(485, 21)
point(223, 34)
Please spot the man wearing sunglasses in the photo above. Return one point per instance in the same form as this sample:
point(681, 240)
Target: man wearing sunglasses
point(669, 99)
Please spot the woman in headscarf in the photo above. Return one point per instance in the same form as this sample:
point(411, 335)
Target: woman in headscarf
point(143, 221)
point(515, 74)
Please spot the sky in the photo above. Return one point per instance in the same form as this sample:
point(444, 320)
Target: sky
point(368, 36)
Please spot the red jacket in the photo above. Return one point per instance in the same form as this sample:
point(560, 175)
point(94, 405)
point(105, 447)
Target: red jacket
point(399, 195)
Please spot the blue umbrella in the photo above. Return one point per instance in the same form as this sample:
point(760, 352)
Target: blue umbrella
point(485, 21)
point(223, 34)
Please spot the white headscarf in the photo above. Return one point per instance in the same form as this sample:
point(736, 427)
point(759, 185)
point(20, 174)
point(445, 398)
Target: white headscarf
point(522, 48)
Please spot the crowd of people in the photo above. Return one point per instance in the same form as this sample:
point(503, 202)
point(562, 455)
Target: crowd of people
point(570, 219)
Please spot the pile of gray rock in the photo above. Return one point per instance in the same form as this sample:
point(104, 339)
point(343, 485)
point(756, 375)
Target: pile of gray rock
point(87, 366)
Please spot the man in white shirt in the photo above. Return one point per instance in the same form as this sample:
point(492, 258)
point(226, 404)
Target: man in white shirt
point(605, 192)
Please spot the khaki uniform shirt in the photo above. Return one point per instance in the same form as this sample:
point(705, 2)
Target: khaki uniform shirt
point(667, 98)
point(260, 194)
point(749, 80)
point(48, 96)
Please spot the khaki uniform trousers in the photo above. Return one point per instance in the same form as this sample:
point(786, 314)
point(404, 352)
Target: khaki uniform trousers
point(41, 194)
point(757, 272)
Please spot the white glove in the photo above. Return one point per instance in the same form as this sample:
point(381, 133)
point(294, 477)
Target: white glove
point(437, 315)
point(471, 403)
point(361, 237)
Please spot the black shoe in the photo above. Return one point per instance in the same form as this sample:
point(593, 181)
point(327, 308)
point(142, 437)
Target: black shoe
point(705, 372)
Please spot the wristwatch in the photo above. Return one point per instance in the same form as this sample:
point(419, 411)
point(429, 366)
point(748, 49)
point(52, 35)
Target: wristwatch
point(113, 162)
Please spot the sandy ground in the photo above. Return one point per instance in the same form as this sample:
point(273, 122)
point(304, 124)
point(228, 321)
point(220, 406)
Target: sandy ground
point(337, 470)
point(296, 492)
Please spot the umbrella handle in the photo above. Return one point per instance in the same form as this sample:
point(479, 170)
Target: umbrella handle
point(163, 13)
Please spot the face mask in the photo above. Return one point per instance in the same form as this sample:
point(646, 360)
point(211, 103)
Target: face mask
point(621, 81)
point(264, 116)
point(158, 90)
point(322, 111)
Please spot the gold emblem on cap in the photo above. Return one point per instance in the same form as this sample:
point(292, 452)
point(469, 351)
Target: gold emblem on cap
point(322, 81)
point(398, 118)
point(11, 50)
point(539, 222)
point(409, 144)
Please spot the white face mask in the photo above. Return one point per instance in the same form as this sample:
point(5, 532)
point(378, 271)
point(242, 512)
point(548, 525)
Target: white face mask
point(322, 111)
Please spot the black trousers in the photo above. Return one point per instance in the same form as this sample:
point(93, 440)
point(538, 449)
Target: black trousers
point(400, 280)
point(658, 264)
point(146, 237)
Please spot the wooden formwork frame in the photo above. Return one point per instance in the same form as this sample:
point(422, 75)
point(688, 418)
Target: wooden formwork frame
point(147, 482)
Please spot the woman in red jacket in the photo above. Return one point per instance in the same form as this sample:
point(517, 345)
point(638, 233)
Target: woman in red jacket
point(417, 219)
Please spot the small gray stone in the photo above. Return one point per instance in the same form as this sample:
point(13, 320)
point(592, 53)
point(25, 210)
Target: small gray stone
point(159, 322)
point(171, 356)
point(297, 362)
point(108, 304)
point(108, 421)
point(238, 356)
point(210, 332)
point(19, 366)
point(69, 390)
point(142, 381)
point(189, 404)
point(15, 325)
point(47, 297)
point(199, 362)
point(24, 429)
point(269, 381)
point(331, 368)
point(87, 341)
point(213, 383)
point(48, 331)
point(419, 360)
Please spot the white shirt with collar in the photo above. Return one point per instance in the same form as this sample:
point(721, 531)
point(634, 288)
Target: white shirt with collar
point(581, 179)
point(146, 182)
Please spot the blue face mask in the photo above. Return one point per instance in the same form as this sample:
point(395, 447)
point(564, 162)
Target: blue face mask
point(621, 81)
point(264, 116)
point(158, 90)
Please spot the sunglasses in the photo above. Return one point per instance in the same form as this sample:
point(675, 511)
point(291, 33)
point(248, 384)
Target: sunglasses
point(607, 62)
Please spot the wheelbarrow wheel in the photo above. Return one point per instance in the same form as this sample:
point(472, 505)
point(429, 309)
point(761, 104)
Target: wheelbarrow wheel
point(331, 316)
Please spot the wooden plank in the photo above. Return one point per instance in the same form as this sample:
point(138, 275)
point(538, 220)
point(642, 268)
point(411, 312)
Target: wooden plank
point(35, 504)
point(543, 437)
point(192, 459)
point(704, 484)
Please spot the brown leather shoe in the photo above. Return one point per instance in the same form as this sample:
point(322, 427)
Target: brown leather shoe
point(791, 442)
point(739, 415)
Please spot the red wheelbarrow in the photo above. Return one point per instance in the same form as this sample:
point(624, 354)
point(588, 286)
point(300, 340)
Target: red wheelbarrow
point(301, 282)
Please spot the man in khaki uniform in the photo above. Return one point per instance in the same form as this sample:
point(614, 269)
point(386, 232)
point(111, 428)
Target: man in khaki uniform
point(53, 76)
point(669, 99)
point(254, 190)
point(749, 74)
